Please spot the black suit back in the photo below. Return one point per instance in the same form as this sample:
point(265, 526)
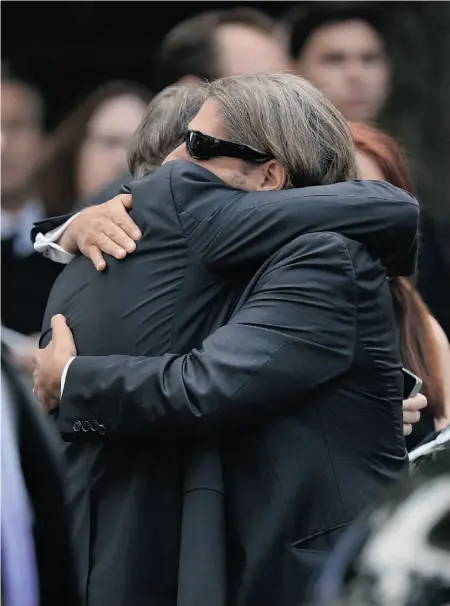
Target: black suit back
point(201, 245)
point(160, 299)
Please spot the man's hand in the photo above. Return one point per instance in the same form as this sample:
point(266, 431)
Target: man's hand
point(103, 228)
point(411, 412)
point(50, 363)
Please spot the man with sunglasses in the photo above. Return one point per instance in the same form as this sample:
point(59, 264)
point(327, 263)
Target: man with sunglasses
point(204, 254)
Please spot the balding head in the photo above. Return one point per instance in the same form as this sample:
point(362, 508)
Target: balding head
point(223, 43)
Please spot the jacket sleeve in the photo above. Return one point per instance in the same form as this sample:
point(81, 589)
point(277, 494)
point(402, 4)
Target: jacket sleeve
point(43, 227)
point(252, 226)
point(295, 332)
point(46, 225)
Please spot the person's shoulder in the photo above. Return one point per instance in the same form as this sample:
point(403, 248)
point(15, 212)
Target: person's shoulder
point(324, 242)
point(382, 190)
point(316, 248)
point(198, 191)
point(191, 171)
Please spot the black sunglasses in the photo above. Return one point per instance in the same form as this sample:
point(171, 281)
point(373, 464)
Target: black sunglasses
point(204, 147)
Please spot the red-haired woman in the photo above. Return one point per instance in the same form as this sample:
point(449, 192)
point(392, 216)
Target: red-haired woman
point(426, 349)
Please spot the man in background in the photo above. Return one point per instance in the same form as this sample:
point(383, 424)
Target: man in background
point(211, 45)
point(341, 49)
point(26, 276)
point(223, 43)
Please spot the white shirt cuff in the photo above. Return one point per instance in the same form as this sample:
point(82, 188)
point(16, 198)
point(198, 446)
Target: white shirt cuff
point(64, 375)
point(47, 244)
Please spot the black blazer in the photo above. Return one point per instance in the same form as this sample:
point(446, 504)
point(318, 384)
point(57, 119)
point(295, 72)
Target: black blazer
point(201, 245)
point(42, 470)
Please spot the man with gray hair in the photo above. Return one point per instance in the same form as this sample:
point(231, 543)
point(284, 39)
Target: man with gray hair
point(163, 126)
point(233, 257)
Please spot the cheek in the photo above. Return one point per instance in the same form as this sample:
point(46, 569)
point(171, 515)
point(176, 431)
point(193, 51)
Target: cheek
point(89, 171)
point(86, 162)
point(327, 78)
point(380, 81)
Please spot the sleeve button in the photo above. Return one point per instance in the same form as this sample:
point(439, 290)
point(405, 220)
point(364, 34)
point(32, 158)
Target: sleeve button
point(76, 426)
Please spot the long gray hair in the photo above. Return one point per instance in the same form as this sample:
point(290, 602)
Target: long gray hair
point(288, 118)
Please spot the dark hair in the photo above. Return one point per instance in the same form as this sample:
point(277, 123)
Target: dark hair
point(189, 48)
point(56, 172)
point(163, 126)
point(419, 342)
point(301, 23)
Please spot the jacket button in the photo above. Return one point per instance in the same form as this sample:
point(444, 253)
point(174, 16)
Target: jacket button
point(76, 426)
point(101, 430)
point(85, 426)
point(94, 425)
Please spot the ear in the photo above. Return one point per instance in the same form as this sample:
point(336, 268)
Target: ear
point(273, 176)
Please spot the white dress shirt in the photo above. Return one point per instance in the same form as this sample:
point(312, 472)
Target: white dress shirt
point(47, 244)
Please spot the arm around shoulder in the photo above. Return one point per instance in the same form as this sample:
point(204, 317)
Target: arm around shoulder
point(295, 332)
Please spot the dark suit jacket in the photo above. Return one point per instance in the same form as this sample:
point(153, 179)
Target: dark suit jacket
point(202, 243)
point(42, 473)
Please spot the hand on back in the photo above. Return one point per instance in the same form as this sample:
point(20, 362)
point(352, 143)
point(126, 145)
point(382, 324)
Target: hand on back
point(104, 228)
point(411, 412)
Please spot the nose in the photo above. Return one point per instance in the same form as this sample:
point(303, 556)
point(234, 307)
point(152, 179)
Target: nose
point(356, 70)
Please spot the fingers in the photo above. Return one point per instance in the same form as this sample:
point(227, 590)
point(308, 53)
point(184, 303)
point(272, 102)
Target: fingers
point(411, 417)
point(121, 217)
point(62, 341)
point(106, 228)
point(115, 233)
point(103, 244)
point(407, 429)
point(126, 200)
point(417, 403)
point(58, 323)
point(95, 255)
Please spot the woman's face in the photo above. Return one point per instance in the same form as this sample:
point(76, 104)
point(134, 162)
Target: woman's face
point(103, 155)
point(368, 169)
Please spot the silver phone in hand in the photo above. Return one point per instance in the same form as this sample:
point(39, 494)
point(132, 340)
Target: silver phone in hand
point(412, 384)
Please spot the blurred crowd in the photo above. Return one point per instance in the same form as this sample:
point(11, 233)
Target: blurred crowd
point(84, 161)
